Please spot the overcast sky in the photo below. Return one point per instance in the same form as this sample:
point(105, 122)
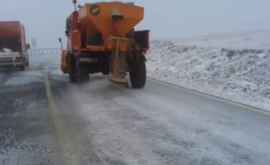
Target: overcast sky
point(45, 19)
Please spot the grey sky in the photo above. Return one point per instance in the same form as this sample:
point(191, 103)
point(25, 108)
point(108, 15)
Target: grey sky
point(45, 19)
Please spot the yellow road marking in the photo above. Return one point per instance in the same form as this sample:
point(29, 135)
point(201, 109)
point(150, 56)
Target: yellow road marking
point(65, 138)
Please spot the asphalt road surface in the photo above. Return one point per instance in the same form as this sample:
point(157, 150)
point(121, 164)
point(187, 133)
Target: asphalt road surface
point(45, 120)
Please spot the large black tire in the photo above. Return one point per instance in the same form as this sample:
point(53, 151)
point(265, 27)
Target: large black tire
point(78, 73)
point(84, 74)
point(106, 69)
point(27, 63)
point(73, 74)
point(138, 72)
point(22, 68)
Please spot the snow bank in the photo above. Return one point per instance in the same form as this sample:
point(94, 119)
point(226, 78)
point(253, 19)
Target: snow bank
point(238, 74)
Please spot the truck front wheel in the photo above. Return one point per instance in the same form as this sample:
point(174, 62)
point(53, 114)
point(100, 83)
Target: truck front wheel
point(138, 72)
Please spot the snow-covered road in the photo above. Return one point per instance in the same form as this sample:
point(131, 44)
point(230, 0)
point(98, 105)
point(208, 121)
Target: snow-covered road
point(46, 120)
point(103, 123)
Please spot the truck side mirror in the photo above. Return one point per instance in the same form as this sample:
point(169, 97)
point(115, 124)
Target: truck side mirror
point(60, 39)
point(28, 46)
point(61, 42)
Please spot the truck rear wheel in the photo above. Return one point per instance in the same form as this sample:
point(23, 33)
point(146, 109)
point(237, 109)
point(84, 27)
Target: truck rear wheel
point(78, 73)
point(22, 68)
point(73, 71)
point(138, 72)
point(84, 74)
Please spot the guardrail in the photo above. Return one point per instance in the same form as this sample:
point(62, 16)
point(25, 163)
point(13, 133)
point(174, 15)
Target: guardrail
point(45, 51)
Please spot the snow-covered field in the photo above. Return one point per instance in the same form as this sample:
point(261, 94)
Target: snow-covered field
point(240, 40)
point(232, 66)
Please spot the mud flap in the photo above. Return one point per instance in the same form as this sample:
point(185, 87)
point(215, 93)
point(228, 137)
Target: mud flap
point(119, 66)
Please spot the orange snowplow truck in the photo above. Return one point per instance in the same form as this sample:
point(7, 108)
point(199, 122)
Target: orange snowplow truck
point(13, 47)
point(102, 39)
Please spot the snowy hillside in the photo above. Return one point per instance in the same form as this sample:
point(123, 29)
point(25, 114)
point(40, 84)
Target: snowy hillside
point(244, 40)
point(216, 67)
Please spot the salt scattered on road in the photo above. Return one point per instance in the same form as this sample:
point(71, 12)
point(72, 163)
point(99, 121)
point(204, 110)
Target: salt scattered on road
point(24, 78)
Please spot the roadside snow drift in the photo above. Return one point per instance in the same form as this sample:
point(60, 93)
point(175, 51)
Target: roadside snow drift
point(239, 74)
